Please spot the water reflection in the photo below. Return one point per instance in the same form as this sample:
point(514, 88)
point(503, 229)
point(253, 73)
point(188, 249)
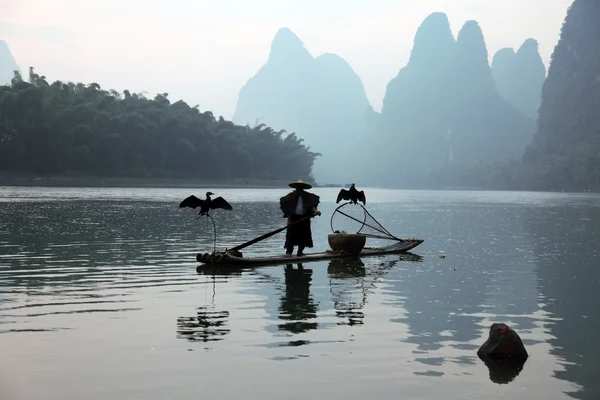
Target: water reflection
point(503, 371)
point(294, 306)
point(343, 273)
point(207, 326)
point(351, 280)
point(222, 271)
point(91, 245)
point(297, 305)
point(344, 268)
point(449, 303)
point(105, 271)
point(567, 246)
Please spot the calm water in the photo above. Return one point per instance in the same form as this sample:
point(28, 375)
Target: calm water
point(100, 299)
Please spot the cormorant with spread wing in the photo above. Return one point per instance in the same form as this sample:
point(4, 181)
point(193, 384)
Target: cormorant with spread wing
point(206, 205)
point(352, 194)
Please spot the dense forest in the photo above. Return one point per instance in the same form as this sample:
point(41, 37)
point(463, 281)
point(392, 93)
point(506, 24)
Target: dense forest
point(77, 129)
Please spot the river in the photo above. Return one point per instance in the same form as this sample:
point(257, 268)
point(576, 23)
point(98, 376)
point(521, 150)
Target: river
point(100, 298)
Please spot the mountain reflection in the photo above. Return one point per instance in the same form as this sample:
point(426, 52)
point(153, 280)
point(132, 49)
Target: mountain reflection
point(567, 241)
point(81, 244)
point(297, 305)
point(447, 302)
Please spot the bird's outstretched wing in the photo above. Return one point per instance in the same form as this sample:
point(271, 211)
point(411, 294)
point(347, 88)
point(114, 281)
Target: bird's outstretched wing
point(361, 197)
point(343, 195)
point(220, 202)
point(192, 202)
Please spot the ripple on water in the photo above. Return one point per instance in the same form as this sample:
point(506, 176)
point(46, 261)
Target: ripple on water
point(121, 274)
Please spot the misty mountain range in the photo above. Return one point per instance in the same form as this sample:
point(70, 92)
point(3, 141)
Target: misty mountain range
point(450, 117)
point(447, 105)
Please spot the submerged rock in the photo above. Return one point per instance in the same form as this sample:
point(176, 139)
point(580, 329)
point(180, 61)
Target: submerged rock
point(503, 342)
point(503, 353)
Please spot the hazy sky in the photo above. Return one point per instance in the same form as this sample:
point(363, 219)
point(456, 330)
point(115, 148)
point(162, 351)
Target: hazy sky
point(204, 51)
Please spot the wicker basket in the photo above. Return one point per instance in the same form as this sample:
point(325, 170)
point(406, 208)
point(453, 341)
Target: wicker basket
point(348, 242)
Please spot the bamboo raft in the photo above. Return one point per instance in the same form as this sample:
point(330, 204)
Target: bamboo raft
point(236, 258)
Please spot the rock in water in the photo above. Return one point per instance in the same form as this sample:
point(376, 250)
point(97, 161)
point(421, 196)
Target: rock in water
point(502, 342)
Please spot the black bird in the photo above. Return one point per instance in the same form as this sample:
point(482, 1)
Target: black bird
point(352, 194)
point(205, 205)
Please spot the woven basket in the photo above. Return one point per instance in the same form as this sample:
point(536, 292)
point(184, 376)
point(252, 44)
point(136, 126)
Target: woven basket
point(348, 242)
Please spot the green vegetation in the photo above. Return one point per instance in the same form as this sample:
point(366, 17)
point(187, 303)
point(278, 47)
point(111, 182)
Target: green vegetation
point(76, 129)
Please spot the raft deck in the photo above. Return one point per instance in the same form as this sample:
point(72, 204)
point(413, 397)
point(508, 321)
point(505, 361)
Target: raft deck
point(228, 259)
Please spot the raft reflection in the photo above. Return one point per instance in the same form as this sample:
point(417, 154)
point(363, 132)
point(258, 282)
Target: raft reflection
point(350, 282)
point(350, 276)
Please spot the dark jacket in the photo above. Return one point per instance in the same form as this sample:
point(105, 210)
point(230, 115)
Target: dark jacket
point(288, 202)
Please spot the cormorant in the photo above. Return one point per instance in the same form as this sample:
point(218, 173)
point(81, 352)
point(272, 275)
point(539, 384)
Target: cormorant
point(352, 194)
point(205, 205)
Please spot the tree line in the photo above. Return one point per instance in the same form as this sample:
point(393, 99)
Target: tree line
point(77, 129)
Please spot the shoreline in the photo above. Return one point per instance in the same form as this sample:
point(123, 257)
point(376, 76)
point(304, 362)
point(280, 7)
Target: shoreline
point(31, 180)
point(124, 182)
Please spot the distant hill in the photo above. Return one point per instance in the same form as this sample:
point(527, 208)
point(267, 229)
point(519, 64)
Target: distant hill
point(443, 111)
point(565, 151)
point(7, 64)
point(520, 76)
point(321, 99)
point(75, 129)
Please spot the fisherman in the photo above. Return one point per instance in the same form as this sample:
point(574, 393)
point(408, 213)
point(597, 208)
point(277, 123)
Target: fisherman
point(299, 205)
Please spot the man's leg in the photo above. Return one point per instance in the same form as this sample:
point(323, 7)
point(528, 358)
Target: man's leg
point(289, 242)
point(300, 250)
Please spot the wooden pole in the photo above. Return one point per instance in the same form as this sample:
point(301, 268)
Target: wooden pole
point(265, 236)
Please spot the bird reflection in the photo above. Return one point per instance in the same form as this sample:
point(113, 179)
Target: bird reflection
point(207, 326)
point(297, 305)
point(503, 371)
